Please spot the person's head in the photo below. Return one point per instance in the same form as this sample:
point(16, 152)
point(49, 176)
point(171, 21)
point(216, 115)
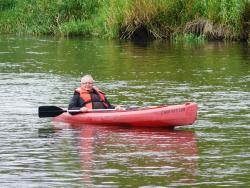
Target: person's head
point(87, 82)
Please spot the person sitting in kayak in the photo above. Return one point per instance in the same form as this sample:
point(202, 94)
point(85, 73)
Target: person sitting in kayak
point(88, 96)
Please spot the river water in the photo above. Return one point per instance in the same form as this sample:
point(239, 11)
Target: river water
point(36, 71)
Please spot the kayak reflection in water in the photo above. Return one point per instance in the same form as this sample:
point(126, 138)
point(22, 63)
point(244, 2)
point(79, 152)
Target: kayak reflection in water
point(171, 157)
point(88, 96)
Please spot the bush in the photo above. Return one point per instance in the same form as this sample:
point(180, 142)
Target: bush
point(7, 4)
point(129, 19)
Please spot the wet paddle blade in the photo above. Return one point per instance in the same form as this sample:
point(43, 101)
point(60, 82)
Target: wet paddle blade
point(49, 111)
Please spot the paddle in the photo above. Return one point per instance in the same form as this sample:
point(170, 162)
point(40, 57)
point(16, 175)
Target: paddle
point(53, 111)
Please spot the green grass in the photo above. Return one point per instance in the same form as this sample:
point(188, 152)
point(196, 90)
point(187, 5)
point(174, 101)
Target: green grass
point(162, 19)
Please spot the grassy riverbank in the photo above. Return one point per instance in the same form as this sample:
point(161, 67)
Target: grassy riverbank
point(130, 19)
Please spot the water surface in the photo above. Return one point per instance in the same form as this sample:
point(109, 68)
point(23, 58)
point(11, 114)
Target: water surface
point(37, 71)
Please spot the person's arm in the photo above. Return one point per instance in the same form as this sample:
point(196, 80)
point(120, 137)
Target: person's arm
point(73, 104)
point(118, 107)
point(108, 103)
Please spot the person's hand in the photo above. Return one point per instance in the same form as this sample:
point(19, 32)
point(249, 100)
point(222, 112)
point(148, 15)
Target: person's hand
point(119, 107)
point(84, 109)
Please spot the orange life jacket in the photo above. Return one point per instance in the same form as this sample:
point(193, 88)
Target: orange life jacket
point(86, 97)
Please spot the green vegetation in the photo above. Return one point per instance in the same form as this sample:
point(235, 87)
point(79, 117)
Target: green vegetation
point(129, 19)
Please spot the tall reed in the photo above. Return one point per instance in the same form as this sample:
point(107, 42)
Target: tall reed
point(156, 19)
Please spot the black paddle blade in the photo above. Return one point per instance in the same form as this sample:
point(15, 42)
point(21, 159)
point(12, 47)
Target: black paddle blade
point(49, 111)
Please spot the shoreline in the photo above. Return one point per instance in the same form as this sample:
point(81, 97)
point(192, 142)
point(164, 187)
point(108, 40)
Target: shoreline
point(130, 20)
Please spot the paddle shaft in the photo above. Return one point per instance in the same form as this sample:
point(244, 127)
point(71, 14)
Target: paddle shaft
point(53, 111)
point(90, 110)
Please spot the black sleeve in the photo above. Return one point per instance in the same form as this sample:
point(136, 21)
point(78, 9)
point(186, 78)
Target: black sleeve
point(109, 105)
point(73, 104)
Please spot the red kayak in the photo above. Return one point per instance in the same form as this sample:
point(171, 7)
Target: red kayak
point(160, 116)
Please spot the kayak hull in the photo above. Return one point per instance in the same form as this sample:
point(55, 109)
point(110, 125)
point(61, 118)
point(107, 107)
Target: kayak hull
point(161, 116)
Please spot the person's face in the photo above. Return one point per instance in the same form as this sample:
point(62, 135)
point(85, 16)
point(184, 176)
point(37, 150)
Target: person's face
point(87, 84)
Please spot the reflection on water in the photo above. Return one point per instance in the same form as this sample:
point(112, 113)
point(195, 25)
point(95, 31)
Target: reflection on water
point(111, 155)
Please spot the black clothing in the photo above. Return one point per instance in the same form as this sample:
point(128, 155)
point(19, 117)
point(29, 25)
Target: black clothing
point(77, 102)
